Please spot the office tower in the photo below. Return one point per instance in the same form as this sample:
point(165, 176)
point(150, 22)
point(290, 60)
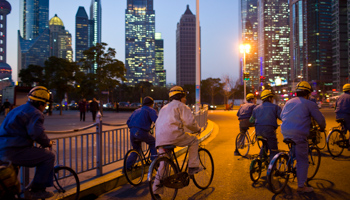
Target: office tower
point(34, 33)
point(81, 33)
point(311, 46)
point(140, 42)
point(273, 37)
point(186, 49)
point(340, 43)
point(249, 35)
point(5, 69)
point(60, 40)
point(96, 17)
point(160, 71)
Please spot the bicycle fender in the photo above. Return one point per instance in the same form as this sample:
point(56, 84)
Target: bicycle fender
point(273, 161)
point(57, 166)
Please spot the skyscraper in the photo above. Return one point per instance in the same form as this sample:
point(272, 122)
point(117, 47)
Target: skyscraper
point(96, 16)
point(160, 71)
point(249, 20)
point(140, 42)
point(60, 40)
point(186, 49)
point(273, 37)
point(81, 33)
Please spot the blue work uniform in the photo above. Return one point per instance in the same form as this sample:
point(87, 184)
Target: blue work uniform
point(139, 124)
point(243, 114)
point(265, 117)
point(342, 109)
point(22, 126)
point(296, 120)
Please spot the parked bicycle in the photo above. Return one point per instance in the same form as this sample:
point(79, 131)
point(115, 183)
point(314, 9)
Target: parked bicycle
point(66, 182)
point(336, 140)
point(261, 162)
point(165, 171)
point(284, 164)
point(243, 142)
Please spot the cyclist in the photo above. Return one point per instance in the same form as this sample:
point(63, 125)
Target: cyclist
point(22, 127)
point(342, 108)
point(265, 118)
point(174, 121)
point(244, 113)
point(296, 119)
point(139, 124)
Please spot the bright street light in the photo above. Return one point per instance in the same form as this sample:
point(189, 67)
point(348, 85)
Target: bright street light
point(245, 48)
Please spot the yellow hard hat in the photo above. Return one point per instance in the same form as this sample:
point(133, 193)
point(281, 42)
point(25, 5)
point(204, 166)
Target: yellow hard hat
point(250, 96)
point(176, 90)
point(303, 86)
point(266, 94)
point(39, 93)
point(346, 87)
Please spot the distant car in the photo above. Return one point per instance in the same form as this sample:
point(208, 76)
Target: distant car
point(73, 106)
point(136, 105)
point(124, 104)
point(108, 105)
point(210, 106)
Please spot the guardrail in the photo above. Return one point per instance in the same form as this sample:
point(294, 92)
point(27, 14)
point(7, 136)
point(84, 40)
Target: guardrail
point(89, 151)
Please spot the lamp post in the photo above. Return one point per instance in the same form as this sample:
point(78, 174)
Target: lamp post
point(245, 48)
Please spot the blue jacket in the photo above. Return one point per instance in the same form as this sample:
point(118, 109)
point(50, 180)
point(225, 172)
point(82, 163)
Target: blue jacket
point(266, 114)
point(296, 117)
point(21, 127)
point(245, 111)
point(342, 106)
point(142, 118)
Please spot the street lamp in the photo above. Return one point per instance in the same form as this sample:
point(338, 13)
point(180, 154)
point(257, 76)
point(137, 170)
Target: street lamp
point(245, 48)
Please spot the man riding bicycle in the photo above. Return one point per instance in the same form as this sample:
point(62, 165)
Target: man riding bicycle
point(296, 119)
point(22, 127)
point(342, 108)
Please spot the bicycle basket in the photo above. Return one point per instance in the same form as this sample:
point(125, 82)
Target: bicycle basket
point(8, 179)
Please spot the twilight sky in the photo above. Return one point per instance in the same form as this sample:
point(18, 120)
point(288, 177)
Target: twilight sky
point(219, 22)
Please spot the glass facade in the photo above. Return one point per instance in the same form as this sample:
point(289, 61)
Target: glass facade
point(160, 71)
point(140, 42)
point(81, 33)
point(60, 40)
point(96, 16)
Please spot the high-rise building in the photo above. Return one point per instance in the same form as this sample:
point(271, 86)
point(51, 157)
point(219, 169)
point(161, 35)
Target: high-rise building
point(160, 71)
point(140, 42)
point(96, 17)
point(340, 43)
point(249, 35)
point(34, 33)
point(273, 37)
point(186, 49)
point(60, 40)
point(81, 33)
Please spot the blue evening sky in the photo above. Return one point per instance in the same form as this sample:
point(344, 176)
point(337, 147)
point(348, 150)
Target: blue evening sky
point(219, 22)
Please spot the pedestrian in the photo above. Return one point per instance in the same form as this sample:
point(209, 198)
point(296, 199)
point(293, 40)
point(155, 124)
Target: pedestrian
point(94, 108)
point(82, 109)
point(117, 106)
point(7, 106)
point(342, 108)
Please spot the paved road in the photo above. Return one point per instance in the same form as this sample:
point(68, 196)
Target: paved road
point(231, 179)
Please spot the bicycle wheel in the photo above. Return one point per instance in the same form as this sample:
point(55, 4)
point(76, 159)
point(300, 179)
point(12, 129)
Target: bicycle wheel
point(322, 140)
point(335, 143)
point(242, 144)
point(204, 178)
point(162, 172)
point(135, 171)
point(255, 170)
point(314, 162)
point(277, 173)
point(66, 183)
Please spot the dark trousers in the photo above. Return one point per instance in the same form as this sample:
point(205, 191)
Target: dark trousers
point(268, 132)
point(93, 115)
point(82, 116)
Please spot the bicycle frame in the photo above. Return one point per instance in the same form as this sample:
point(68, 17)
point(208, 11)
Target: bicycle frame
point(173, 157)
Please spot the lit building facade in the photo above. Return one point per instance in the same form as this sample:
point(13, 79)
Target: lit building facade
point(186, 49)
point(273, 38)
point(81, 33)
point(249, 35)
point(140, 42)
point(96, 17)
point(160, 71)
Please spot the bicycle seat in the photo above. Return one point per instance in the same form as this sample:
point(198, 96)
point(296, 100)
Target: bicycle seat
point(261, 138)
point(340, 121)
point(289, 141)
point(169, 146)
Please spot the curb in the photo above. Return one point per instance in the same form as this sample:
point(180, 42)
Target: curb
point(100, 185)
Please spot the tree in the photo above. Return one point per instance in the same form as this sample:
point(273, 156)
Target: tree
point(228, 87)
point(209, 88)
point(32, 74)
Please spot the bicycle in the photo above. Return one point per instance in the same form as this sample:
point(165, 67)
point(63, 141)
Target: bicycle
point(65, 180)
point(318, 137)
point(261, 162)
point(336, 140)
point(243, 141)
point(165, 171)
point(283, 165)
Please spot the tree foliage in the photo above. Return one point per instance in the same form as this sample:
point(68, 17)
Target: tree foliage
point(32, 74)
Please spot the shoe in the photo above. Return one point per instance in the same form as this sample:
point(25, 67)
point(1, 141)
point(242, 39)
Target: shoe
point(194, 170)
point(236, 153)
point(305, 189)
point(41, 194)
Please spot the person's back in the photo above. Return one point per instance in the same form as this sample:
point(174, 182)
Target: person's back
point(342, 108)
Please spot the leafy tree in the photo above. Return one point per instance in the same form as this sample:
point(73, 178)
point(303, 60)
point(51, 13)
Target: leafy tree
point(209, 88)
point(32, 74)
point(228, 87)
